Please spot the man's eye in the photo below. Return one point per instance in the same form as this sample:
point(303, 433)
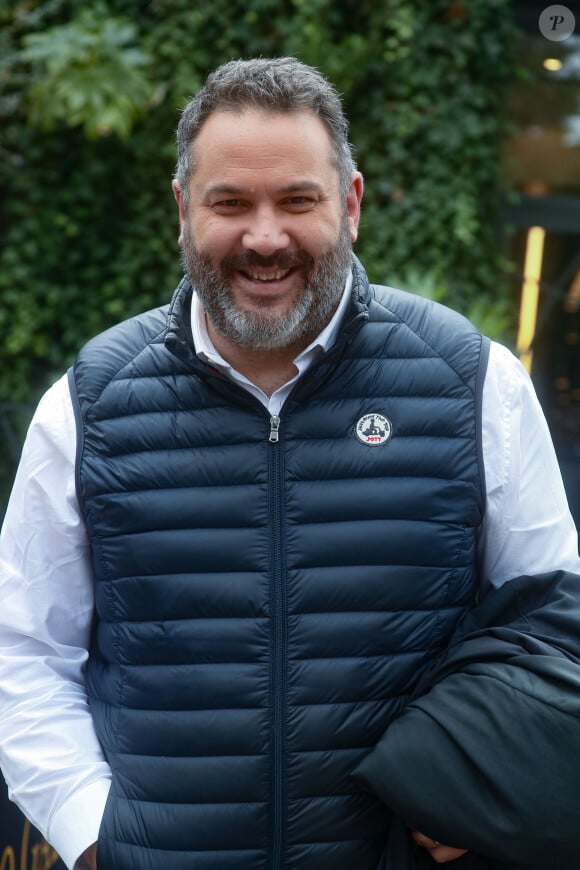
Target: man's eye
point(300, 202)
point(228, 204)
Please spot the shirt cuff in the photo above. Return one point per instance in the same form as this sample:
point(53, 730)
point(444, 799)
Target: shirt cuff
point(75, 825)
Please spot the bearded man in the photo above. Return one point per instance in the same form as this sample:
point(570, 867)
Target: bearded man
point(253, 529)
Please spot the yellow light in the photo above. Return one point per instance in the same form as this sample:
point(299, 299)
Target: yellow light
point(552, 64)
point(530, 294)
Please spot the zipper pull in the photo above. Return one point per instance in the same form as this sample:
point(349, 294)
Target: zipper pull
point(274, 427)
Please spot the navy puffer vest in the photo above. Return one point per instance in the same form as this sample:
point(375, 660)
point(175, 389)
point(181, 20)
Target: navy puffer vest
point(264, 607)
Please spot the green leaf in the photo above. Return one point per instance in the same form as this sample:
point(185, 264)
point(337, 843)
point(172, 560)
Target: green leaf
point(88, 73)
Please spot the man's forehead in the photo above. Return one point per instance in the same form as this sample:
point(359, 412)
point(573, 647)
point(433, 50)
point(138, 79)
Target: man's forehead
point(230, 127)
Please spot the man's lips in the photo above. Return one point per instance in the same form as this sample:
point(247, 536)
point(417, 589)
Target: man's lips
point(265, 276)
point(265, 283)
point(269, 271)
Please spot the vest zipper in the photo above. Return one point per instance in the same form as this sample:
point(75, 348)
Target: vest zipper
point(278, 641)
point(274, 429)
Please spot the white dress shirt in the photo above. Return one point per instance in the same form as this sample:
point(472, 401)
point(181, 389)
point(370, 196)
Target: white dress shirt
point(49, 752)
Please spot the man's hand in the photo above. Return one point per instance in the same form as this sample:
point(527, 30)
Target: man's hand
point(441, 854)
point(88, 860)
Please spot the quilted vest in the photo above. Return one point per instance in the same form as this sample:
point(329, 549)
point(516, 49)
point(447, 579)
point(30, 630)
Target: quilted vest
point(268, 591)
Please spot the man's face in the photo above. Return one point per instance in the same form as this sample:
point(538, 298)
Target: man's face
point(266, 236)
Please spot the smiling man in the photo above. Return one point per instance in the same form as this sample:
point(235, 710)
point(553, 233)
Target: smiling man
point(272, 223)
point(253, 531)
point(266, 234)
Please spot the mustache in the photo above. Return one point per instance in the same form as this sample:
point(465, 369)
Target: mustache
point(278, 260)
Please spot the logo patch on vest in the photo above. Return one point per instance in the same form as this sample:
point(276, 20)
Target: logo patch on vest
point(374, 430)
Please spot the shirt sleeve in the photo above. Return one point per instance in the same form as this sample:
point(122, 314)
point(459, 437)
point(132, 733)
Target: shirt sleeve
point(50, 755)
point(527, 528)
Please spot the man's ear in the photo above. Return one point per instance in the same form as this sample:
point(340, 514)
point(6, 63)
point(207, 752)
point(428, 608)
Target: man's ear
point(353, 201)
point(179, 200)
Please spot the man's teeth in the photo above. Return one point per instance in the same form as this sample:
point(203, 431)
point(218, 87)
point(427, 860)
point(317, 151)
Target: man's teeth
point(269, 276)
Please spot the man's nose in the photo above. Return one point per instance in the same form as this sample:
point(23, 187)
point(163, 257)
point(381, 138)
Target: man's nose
point(265, 235)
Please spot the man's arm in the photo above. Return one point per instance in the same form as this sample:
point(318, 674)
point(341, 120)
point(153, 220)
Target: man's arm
point(527, 527)
point(50, 755)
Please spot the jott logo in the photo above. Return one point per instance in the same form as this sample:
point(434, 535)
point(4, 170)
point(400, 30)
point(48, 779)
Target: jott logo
point(374, 430)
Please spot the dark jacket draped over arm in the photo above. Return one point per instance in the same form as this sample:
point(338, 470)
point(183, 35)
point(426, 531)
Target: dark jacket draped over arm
point(486, 757)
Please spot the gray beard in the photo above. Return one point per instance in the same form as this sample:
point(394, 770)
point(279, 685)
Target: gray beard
point(262, 330)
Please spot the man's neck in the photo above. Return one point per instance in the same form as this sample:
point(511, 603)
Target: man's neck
point(267, 369)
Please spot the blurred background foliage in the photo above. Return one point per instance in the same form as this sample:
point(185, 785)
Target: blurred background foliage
point(89, 101)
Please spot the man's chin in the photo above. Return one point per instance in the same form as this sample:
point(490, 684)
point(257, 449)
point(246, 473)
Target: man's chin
point(261, 330)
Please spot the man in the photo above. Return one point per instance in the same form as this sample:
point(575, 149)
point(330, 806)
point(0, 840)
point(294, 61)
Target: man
point(246, 525)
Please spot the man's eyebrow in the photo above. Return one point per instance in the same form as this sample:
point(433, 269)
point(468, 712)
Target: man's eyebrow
point(224, 189)
point(301, 186)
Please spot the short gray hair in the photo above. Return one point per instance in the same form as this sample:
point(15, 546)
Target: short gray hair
point(282, 84)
